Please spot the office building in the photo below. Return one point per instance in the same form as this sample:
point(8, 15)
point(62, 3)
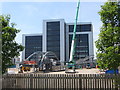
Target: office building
point(54, 37)
point(32, 43)
point(57, 37)
point(83, 40)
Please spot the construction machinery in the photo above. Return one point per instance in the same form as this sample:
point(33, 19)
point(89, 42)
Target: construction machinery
point(42, 61)
point(27, 66)
point(71, 63)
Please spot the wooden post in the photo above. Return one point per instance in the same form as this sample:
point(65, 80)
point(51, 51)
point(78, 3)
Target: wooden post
point(31, 81)
point(80, 81)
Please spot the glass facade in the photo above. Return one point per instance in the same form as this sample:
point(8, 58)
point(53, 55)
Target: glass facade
point(81, 28)
point(53, 37)
point(82, 46)
point(32, 44)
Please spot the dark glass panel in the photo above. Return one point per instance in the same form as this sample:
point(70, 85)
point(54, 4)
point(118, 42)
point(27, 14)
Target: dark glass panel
point(82, 45)
point(32, 44)
point(53, 37)
point(80, 28)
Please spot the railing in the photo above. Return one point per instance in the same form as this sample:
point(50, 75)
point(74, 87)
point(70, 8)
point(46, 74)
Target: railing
point(61, 81)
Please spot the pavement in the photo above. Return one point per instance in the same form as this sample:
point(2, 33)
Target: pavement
point(79, 71)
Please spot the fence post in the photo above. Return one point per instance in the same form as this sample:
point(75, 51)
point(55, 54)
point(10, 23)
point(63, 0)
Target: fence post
point(80, 81)
point(0, 82)
point(31, 81)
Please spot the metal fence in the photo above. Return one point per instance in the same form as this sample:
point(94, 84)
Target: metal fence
point(61, 81)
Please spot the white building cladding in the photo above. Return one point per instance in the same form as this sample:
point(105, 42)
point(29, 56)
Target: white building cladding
point(54, 37)
point(32, 43)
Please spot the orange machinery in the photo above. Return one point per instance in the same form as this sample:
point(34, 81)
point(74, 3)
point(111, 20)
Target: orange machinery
point(28, 64)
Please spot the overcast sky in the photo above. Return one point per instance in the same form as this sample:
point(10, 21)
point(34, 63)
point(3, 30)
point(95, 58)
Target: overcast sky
point(29, 15)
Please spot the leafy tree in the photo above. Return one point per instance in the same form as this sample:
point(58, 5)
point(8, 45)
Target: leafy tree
point(108, 53)
point(10, 48)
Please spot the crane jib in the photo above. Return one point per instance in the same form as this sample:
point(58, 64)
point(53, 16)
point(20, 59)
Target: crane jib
point(74, 34)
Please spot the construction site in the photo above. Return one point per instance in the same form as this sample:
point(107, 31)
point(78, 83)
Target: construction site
point(47, 61)
point(40, 62)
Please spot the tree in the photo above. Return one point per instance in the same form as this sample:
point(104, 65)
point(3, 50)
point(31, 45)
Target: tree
point(10, 48)
point(108, 53)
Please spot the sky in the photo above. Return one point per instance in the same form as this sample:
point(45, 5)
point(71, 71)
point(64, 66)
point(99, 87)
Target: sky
point(29, 15)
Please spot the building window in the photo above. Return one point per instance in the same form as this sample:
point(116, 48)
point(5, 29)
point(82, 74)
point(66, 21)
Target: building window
point(80, 28)
point(53, 37)
point(82, 45)
point(32, 44)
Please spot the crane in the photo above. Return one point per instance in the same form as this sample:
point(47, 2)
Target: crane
point(72, 52)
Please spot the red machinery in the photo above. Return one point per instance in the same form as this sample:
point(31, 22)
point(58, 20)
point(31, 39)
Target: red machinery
point(30, 62)
point(26, 65)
